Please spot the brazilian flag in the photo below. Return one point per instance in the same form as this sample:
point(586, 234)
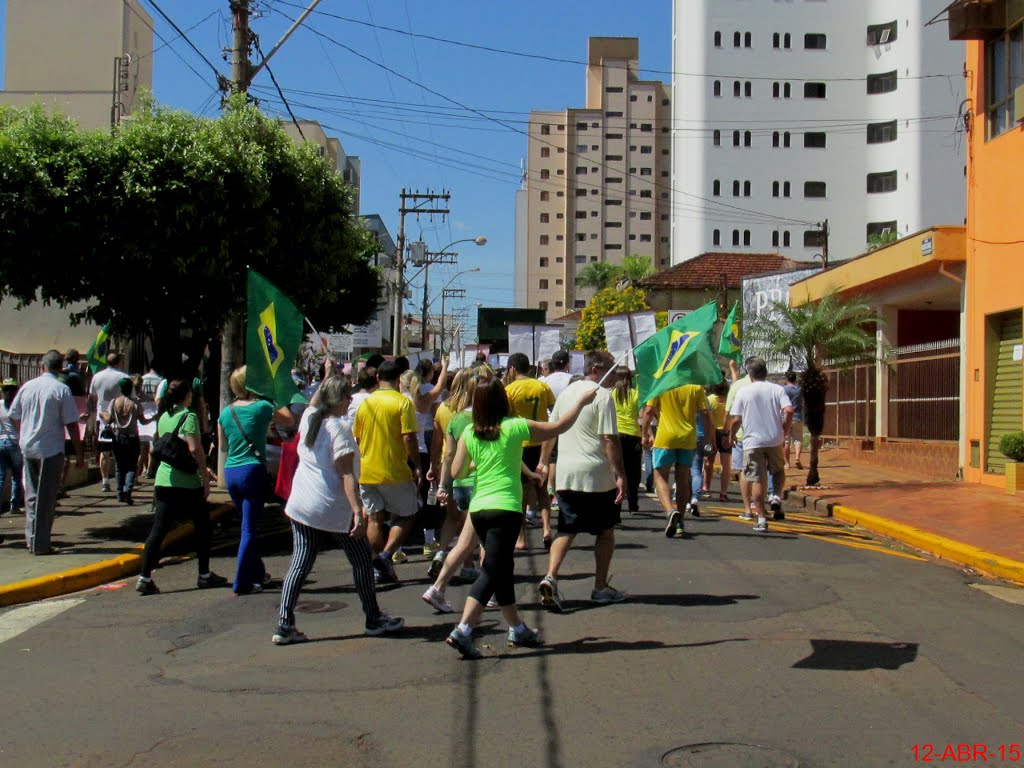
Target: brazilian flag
point(272, 341)
point(679, 354)
point(97, 354)
point(730, 344)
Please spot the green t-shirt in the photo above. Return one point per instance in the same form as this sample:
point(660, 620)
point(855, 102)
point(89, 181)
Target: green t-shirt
point(456, 427)
point(167, 476)
point(255, 419)
point(498, 487)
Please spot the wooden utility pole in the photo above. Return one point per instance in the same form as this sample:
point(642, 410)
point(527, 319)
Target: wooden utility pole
point(418, 200)
point(824, 244)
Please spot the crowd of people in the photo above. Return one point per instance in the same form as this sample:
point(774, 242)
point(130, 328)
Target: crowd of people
point(470, 459)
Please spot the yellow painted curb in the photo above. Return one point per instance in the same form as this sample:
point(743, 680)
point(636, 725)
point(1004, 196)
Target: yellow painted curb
point(87, 576)
point(984, 562)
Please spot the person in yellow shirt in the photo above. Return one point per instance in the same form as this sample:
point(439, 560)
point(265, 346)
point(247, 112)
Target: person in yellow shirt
point(531, 399)
point(385, 428)
point(720, 445)
point(675, 444)
point(626, 399)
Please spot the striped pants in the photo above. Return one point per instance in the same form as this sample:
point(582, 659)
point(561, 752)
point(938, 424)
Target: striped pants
point(306, 542)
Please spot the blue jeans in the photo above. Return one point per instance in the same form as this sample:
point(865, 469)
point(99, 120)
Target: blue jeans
point(126, 461)
point(248, 488)
point(697, 471)
point(12, 461)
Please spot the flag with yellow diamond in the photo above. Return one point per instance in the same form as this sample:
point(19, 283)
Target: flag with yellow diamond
point(679, 354)
point(730, 345)
point(272, 341)
point(97, 354)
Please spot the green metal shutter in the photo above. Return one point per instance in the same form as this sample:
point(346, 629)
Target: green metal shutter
point(1007, 413)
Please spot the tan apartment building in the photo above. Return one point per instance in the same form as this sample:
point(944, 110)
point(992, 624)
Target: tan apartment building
point(347, 166)
point(597, 182)
point(86, 58)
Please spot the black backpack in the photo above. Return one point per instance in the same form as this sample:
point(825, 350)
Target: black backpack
point(173, 450)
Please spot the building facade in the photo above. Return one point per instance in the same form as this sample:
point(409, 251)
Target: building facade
point(597, 178)
point(789, 113)
point(97, 55)
point(347, 166)
point(995, 230)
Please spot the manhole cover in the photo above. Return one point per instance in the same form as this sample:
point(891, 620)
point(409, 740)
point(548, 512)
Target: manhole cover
point(723, 754)
point(315, 606)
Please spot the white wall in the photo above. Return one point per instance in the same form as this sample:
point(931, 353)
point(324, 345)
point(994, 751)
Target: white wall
point(927, 155)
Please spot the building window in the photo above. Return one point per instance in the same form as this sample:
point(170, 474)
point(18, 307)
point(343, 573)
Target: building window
point(882, 182)
point(813, 238)
point(613, 180)
point(747, 40)
point(613, 89)
point(579, 303)
point(559, 216)
point(718, 39)
point(580, 192)
point(545, 173)
point(775, 40)
point(613, 136)
point(880, 34)
point(581, 214)
point(646, 150)
point(613, 225)
point(746, 138)
point(716, 138)
point(594, 147)
point(735, 138)
point(1004, 72)
point(612, 114)
point(542, 305)
point(580, 259)
point(544, 218)
point(560, 127)
point(736, 89)
point(542, 284)
point(814, 41)
point(716, 237)
point(785, 189)
point(581, 148)
point(545, 129)
point(746, 237)
point(814, 189)
point(645, 238)
point(785, 239)
point(735, 237)
point(881, 133)
point(746, 189)
point(785, 140)
point(775, 138)
point(775, 239)
point(882, 83)
point(545, 196)
point(543, 261)
point(785, 90)
point(716, 188)
point(632, 97)
point(646, 127)
point(786, 41)
point(581, 170)
point(545, 151)
point(716, 88)
point(775, 189)
point(645, 193)
point(735, 39)
point(613, 158)
point(814, 140)
point(735, 188)
point(559, 281)
point(747, 89)
point(775, 90)
point(814, 90)
point(581, 126)
point(645, 171)
point(613, 246)
point(645, 216)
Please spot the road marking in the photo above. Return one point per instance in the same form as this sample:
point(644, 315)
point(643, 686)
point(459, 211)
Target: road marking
point(1006, 594)
point(19, 620)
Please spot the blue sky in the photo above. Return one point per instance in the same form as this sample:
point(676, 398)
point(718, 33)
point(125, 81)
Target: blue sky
point(411, 137)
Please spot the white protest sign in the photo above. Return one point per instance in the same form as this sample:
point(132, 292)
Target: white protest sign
point(454, 361)
point(644, 326)
point(548, 339)
point(520, 339)
point(369, 335)
point(340, 343)
point(619, 338)
point(577, 360)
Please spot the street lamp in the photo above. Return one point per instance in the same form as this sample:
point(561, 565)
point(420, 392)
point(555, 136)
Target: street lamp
point(444, 294)
point(479, 240)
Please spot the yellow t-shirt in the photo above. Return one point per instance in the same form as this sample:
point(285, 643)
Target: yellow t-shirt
point(443, 415)
point(530, 399)
point(717, 406)
point(677, 416)
point(626, 413)
point(381, 421)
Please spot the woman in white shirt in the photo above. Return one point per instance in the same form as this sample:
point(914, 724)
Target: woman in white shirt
point(324, 507)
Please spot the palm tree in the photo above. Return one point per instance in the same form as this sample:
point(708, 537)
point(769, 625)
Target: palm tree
point(636, 269)
point(599, 275)
point(833, 332)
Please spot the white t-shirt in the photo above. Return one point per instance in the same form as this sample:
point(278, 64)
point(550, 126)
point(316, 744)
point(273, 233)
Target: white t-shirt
point(421, 438)
point(558, 381)
point(105, 386)
point(8, 434)
point(357, 400)
point(43, 406)
point(582, 464)
point(759, 405)
point(318, 496)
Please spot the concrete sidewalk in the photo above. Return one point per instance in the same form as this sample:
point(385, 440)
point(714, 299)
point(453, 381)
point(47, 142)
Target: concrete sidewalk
point(99, 539)
point(968, 524)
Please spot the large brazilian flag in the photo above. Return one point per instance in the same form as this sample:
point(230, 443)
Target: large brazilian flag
point(272, 341)
point(679, 354)
point(730, 345)
point(97, 354)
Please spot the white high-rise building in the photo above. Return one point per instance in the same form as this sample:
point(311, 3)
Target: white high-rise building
point(786, 113)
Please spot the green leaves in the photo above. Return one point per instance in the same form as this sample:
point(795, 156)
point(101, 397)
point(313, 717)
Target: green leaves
point(590, 329)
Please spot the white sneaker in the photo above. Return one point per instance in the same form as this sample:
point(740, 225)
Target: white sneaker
point(549, 597)
point(435, 598)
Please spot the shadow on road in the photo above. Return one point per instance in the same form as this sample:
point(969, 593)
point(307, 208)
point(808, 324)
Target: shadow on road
point(607, 645)
point(678, 600)
point(857, 655)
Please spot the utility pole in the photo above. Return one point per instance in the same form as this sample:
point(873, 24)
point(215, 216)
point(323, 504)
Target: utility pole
point(438, 257)
point(454, 293)
point(418, 200)
point(824, 244)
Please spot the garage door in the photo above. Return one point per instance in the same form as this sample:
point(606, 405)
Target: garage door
point(1007, 414)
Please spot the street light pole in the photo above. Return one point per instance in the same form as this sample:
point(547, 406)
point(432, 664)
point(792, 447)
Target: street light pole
point(426, 272)
point(445, 292)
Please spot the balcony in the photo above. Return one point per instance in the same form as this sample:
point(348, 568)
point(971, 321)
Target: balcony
point(976, 19)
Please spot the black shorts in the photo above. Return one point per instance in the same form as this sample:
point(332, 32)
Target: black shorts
point(531, 457)
point(720, 438)
point(587, 512)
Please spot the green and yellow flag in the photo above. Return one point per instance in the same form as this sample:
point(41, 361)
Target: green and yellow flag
point(730, 345)
point(97, 354)
point(679, 354)
point(272, 341)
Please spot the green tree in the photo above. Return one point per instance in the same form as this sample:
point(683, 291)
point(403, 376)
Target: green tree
point(590, 330)
point(599, 275)
point(155, 226)
point(832, 331)
point(880, 241)
point(636, 269)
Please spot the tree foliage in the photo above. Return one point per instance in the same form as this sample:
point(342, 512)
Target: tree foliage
point(590, 330)
point(833, 332)
point(636, 269)
point(154, 226)
point(599, 275)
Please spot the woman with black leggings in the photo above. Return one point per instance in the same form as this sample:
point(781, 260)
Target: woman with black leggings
point(494, 445)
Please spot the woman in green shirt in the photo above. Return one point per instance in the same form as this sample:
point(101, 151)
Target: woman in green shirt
point(242, 429)
point(494, 446)
point(627, 412)
point(180, 494)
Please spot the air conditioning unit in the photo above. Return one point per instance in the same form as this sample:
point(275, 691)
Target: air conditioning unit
point(976, 19)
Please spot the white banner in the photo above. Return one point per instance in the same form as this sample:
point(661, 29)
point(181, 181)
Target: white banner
point(759, 297)
point(468, 356)
point(340, 343)
point(454, 361)
point(576, 362)
point(520, 339)
point(644, 326)
point(619, 338)
point(503, 360)
point(548, 339)
point(369, 335)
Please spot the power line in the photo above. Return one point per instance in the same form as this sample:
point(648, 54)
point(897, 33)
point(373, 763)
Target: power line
point(186, 38)
point(168, 42)
point(280, 93)
point(579, 62)
point(163, 40)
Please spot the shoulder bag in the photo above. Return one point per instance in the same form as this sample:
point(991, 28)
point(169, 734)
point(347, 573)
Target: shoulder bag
point(252, 448)
point(174, 451)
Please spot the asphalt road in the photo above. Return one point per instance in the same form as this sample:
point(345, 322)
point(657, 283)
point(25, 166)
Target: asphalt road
point(810, 646)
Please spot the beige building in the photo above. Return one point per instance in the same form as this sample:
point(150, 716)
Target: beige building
point(347, 166)
point(87, 58)
point(598, 181)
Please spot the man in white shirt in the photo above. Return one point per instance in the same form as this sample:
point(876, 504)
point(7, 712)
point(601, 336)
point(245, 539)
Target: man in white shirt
point(558, 379)
point(104, 389)
point(590, 482)
point(41, 411)
point(765, 413)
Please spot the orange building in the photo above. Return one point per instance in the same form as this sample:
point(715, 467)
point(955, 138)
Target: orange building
point(995, 228)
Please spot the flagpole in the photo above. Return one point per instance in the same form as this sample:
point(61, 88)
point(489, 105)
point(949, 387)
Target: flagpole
point(617, 363)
